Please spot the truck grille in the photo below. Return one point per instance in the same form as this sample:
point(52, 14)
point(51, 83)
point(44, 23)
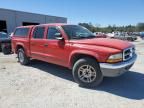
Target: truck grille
point(128, 53)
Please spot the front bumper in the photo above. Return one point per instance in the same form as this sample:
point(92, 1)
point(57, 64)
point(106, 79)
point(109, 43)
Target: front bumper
point(113, 70)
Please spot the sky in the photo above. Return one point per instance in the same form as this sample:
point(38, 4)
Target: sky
point(98, 12)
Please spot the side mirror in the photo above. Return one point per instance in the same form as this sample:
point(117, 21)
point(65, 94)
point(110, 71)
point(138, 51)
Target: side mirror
point(58, 36)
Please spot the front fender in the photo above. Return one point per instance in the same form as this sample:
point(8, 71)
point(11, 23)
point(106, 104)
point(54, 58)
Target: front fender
point(84, 52)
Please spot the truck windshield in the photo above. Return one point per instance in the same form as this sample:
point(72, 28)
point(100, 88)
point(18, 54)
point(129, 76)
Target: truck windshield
point(77, 32)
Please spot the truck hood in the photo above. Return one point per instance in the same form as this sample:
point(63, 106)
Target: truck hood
point(111, 43)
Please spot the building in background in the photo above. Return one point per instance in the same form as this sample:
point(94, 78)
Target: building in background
point(9, 19)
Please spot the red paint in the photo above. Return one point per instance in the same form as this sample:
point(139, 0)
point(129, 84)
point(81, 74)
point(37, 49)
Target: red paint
point(62, 52)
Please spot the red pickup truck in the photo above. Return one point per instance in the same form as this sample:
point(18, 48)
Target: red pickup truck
point(76, 48)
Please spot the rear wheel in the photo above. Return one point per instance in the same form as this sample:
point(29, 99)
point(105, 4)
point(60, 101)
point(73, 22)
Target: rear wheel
point(86, 73)
point(6, 50)
point(22, 58)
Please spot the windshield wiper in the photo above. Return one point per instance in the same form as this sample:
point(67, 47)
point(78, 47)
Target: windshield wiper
point(79, 37)
point(84, 37)
point(91, 36)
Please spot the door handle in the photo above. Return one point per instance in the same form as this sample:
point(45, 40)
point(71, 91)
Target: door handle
point(45, 45)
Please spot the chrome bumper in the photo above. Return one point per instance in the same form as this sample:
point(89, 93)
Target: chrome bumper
point(113, 70)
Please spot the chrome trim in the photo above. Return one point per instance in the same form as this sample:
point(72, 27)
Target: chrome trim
point(131, 53)
point(119, 65)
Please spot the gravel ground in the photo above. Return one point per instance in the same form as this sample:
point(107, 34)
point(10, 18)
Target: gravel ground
point(43, 85)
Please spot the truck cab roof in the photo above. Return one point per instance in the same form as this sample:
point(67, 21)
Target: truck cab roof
point(49, 24)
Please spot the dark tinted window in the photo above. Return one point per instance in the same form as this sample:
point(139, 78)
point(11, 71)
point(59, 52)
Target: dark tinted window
point(51, 32)
point(39, 32)
point(77, 32)
point(21, 32)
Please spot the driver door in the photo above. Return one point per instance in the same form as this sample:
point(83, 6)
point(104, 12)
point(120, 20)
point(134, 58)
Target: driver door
point(56, 49)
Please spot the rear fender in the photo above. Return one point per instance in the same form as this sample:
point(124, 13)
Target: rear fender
point(23, 46)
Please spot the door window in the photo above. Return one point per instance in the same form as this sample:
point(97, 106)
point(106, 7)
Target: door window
point(52, 31)
point(39, 32)
point(21, 32)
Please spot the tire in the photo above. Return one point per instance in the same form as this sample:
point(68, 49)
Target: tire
point(6, 51)
point(22, 58)
point(78, 74)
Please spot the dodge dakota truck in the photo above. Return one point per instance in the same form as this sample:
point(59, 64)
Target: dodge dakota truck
point(76, 48)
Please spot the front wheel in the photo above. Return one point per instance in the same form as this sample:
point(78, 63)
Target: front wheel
point(87, 73)
point(22, 58)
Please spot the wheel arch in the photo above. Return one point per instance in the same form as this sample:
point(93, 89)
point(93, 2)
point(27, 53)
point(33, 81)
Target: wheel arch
point(78, 55)
point(19, 46)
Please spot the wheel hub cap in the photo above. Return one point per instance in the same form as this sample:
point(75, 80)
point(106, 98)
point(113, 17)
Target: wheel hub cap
point(87, 73)
point(21, 57)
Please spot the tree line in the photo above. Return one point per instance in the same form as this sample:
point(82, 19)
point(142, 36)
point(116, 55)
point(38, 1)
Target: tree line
point(111, 28)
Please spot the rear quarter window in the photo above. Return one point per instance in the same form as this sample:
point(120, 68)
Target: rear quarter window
point(21, 32)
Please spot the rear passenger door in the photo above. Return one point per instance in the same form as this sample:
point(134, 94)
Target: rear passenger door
point(37, 42)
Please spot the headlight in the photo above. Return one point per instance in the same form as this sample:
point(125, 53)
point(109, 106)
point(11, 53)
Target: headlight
point(115, 58)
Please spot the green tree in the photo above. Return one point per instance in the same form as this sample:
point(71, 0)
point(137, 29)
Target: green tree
point(112, 28)
point(140, 27)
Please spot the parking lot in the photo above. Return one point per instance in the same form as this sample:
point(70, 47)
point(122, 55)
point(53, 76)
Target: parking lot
point(43, 85)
